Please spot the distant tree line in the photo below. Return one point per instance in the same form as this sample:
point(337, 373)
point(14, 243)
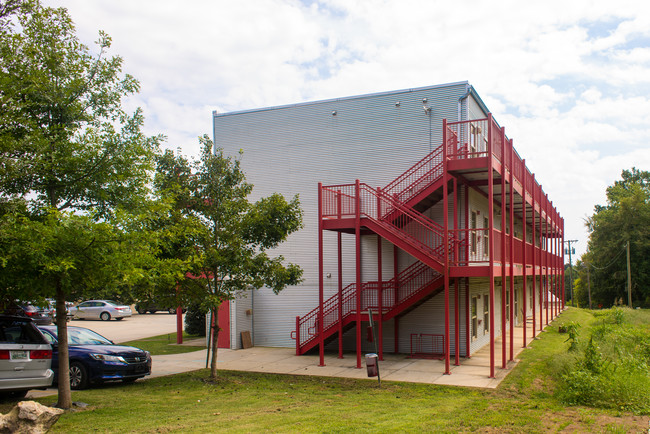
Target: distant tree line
point(602, 271)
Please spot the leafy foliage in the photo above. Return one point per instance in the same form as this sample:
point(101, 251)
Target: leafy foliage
point(626, 217)
point(223, 242)
point(195, 320)
point(71, 161)
point(613, 369)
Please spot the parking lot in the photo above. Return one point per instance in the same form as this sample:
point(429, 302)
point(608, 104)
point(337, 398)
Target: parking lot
point(132, 328)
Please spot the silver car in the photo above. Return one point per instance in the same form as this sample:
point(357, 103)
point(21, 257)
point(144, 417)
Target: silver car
point(25, 357)
point(100, 309)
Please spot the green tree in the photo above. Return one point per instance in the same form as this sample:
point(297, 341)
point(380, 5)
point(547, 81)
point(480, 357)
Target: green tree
point(70, 157)
point(625, 218)
point(229, 248)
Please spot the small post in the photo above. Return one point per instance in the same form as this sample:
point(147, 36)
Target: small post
point(629, 278)
point(374, 338)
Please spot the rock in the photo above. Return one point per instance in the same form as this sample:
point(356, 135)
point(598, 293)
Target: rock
point(29, 417)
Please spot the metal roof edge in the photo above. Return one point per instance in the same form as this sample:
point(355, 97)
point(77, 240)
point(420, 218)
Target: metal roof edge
point(392, 92)
point(478, 99)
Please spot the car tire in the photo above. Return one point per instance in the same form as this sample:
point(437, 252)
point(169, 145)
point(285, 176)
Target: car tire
point(105, 316)
point(171, 311)
point(17, 394)
point(78, 376)
point(140, 310)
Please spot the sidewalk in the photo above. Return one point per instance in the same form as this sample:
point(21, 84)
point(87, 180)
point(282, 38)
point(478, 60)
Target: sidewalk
point(472, 372)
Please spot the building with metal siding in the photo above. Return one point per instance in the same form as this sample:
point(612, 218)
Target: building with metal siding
point(376, 138)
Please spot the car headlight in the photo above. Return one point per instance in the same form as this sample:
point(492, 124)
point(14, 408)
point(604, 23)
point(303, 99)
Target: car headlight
point(108, 358)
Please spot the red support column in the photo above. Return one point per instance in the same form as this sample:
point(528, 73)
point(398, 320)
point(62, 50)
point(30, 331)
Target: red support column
point(563, 272)
point(541, 269)
point(533, 252)
point(468, 354)
point(321, 349)
point(445, 219)
point(546, 265)
point(491, 239)
point(523, 253)
point(380, 300)
point(504, 334)
point(297, 336)
point(358, 267)
point(456, 295)
point(512, 256)
point(396, 299)
point(340, 275)
point(467, 331)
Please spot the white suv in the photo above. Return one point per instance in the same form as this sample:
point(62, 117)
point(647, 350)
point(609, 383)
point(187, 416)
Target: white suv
point(25, 357)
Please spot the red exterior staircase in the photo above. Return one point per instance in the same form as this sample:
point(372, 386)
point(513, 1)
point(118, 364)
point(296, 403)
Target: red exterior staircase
point(389, 212)
point(398, 295)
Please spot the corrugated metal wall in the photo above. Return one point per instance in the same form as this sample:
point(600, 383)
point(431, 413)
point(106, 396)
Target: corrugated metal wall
point(289, 149)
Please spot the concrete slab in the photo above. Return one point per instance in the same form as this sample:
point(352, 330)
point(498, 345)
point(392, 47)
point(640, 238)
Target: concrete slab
point(472, 372)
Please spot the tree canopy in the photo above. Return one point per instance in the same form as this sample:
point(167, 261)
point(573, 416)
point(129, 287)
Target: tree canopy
point(71, 161)
point(226, 241)
point(625, 218)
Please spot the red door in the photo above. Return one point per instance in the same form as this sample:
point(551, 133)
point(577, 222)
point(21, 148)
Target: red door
point(223, 340)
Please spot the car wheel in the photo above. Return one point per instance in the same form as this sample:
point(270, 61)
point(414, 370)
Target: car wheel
point(171, 311)
point(17, 394)
point(119, 319)
point(140, 310)
point(78, 376)
point(105, 316)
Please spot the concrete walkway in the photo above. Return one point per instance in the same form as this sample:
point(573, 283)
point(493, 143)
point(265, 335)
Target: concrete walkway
point(472, 372)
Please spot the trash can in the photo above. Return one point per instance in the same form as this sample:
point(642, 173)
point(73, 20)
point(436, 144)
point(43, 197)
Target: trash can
point(371, 365)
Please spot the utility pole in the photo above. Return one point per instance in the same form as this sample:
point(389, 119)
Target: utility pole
point(571, 250)
point(589, 285)
point(629, 278)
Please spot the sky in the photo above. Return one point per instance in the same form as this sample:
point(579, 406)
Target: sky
point(569, 80)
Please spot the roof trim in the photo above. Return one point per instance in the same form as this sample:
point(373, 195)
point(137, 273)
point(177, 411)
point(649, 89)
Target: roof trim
point(392, 92)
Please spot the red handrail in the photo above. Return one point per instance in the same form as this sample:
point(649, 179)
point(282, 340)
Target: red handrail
point(411, 280)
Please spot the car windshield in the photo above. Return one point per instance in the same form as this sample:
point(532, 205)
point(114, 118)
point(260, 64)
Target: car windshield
point(86, 337)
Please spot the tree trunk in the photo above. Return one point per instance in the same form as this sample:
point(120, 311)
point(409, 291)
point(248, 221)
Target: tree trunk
point(214, 324)
point(65, 398)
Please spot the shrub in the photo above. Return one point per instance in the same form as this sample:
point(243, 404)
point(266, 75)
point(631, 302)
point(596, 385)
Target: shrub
point(195, 320)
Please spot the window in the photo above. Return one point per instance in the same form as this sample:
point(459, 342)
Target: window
point(486, 313)
point(486, 225)
point(474, 317)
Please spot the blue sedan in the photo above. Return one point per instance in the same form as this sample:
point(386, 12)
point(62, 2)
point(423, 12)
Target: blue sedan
point(95, 359)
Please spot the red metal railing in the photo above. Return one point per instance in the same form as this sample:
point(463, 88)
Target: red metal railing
point(426, 345)
point(411, 281)
point(467, 139)
point(410, 226)
point(417, 178)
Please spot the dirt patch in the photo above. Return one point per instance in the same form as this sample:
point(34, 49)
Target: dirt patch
point(581, 420)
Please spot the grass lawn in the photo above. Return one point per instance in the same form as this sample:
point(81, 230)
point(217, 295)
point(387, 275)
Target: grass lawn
point(247, 402)
point(165, 344)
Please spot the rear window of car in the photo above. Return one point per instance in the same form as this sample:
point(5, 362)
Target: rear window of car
point(16, 331)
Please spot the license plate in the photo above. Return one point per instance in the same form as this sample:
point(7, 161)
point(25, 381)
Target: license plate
point(18, 355)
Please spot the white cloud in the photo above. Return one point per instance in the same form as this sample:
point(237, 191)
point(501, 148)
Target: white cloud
point(568, 79)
